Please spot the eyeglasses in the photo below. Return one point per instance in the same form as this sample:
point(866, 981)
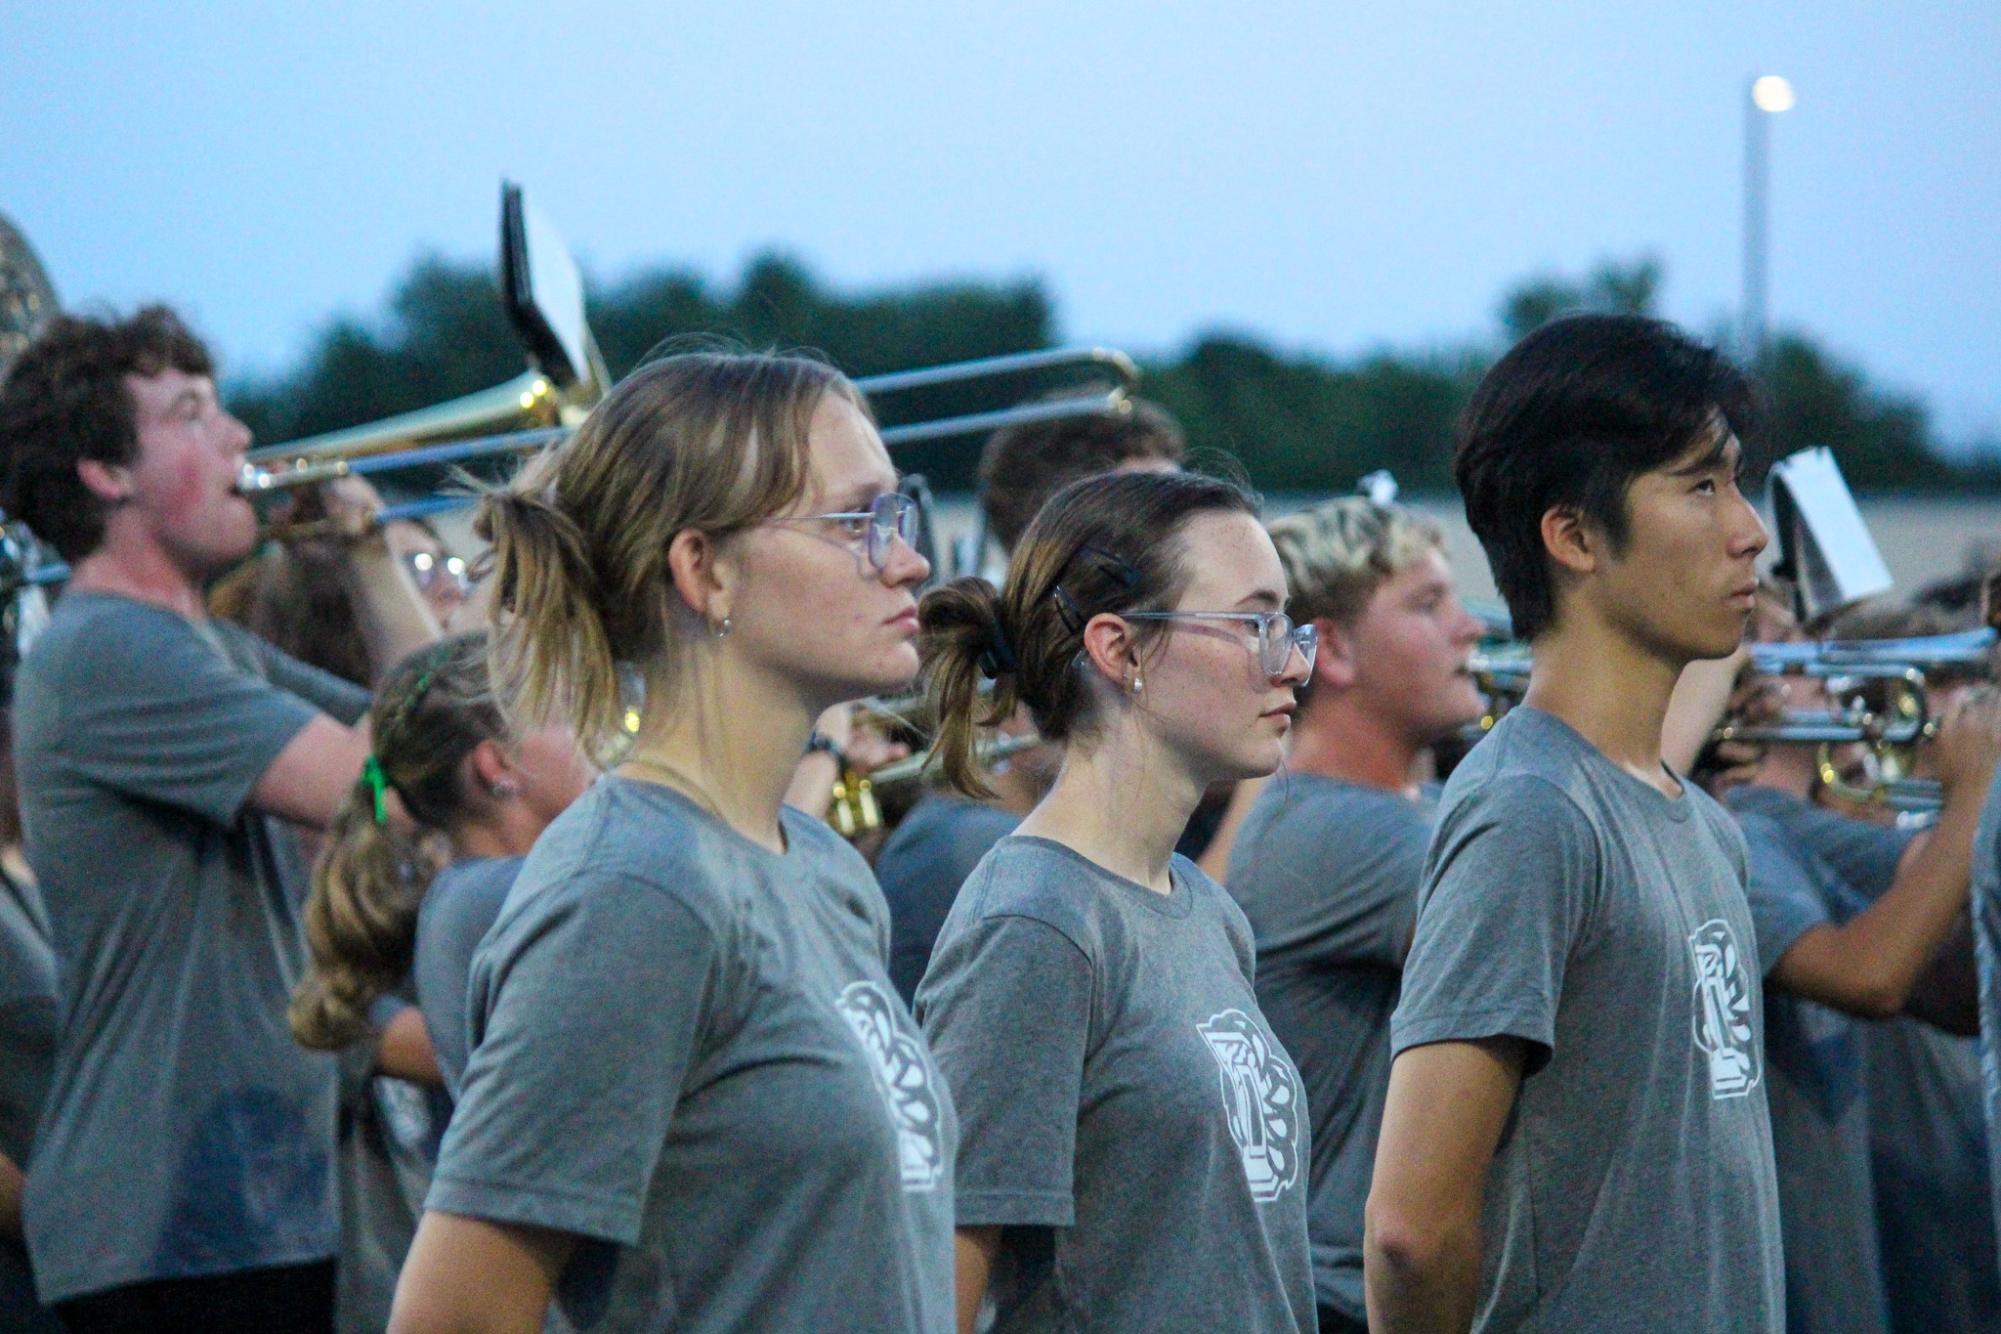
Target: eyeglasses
point(427, 568)
point(890, 516)
point(1277, 635)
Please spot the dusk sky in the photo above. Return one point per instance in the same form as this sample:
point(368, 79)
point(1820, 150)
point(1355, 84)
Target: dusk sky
point(1331, 177)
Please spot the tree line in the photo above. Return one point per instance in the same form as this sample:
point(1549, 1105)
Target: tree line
point(1296, 422)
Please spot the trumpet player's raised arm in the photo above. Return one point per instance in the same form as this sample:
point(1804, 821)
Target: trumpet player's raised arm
point(393, 615)
point(1867, 964)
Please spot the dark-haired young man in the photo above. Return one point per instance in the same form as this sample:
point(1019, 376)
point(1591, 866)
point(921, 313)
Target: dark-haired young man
point(181, 1172)
point(1575, 1136)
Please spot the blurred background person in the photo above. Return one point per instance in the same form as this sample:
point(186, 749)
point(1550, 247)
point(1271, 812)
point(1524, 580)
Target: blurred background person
point(1850, 918)
point(1928, 1139)
point(395, 913)
point(28, 1025)
point(1327, 863)
point(182, 1171)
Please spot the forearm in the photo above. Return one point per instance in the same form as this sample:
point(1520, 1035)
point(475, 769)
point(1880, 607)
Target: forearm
point(395, 620)
point(1947, 994)
point(1869, 965)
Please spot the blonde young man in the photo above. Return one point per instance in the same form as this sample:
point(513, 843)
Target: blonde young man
point(1327, 863)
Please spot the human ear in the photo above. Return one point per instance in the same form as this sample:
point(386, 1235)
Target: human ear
point(1339, 658)
point(109, 482)
point(1569, 539)
point(703, 579)
point(1108, 643)
point(491, 769)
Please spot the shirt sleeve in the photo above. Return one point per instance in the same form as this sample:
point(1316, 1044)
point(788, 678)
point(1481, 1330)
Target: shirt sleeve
point(1007, 1010)
point(1864, 854)
point(162, 715)
point(588, 1015)
point(1509, 892)
point(1785, 901)
point(335, 696)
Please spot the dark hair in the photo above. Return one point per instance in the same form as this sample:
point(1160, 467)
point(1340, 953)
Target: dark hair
point(65, 401)
point(1107, 543)
point(1022, 466)
point(433, 709)
point(1568, 418)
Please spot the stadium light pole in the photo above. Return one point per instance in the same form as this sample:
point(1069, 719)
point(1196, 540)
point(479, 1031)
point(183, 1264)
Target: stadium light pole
point(1769, 96)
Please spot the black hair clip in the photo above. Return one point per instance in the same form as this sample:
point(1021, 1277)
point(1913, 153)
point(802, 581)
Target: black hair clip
point(1122, 570)
point(1067, 608)
point(997, 659)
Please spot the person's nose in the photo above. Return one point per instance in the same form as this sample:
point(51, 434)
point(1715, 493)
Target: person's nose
point(1750, 537)
point(906, 564)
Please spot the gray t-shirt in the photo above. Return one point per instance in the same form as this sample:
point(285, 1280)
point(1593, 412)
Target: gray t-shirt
point(1928, 1143)
point(1327, 873)
point(1817, 1088)
point(1568, 904)
point(921, 867)
point(686, 1051)
point(185, 1132)
point(27, 1047)
point(27, 1014)
point(1129, 1120)
point(1987, 947)
point(458, 910)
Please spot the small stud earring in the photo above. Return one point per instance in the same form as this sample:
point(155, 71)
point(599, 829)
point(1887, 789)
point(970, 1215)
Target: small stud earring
point(723, 630)
point(1139, 683)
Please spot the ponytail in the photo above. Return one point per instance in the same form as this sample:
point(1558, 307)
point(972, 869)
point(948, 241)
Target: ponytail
point(433, 709)
point(963, 643)
point(551, 651)
point(361, 923)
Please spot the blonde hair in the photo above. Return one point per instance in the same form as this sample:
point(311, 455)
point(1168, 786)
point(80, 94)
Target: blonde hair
point(713, 441)
point(1337, 553)
point(361, 916)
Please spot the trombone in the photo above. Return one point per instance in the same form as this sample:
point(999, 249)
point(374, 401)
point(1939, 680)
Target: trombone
point(396, 445)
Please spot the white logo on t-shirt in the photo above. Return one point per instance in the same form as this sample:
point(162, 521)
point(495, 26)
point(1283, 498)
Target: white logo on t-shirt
point(1723, 1010)
point(903, 1076)
point(1261, 1101)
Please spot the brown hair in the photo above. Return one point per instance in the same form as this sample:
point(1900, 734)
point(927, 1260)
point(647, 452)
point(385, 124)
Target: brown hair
point(433, 709)
point(1022, 466)
point(65, 401)
point(1109, 543)
point(714, 441)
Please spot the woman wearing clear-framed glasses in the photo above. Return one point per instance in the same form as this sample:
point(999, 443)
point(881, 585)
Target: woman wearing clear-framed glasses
point(1133, 1138)
point(693, 1099)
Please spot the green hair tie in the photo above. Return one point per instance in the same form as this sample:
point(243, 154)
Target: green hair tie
point(378, 785)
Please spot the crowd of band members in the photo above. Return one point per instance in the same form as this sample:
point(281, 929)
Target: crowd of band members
point(582, 1018)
